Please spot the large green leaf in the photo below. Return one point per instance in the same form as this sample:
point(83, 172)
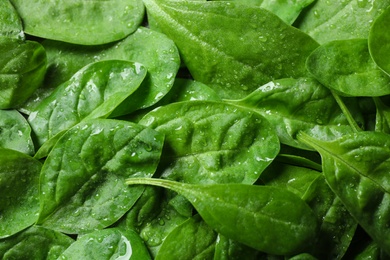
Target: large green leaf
point(82, 180)
point(80, 22)
point(231, 47)
point(213, 142)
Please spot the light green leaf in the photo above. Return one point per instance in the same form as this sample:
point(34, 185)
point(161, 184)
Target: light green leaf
point(10, 23)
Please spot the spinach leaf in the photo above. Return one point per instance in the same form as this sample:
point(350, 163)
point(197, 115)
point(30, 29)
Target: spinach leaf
point(378, 40)
point(360, 78)
point(233, 60)
point(80, 22)
point(19, 197)
point(235, 153)
point(22, 69)
point(15, 132)
point(81, 183)
point(154, 50)
point(293, 105)
point(326, 20)
point(247, 213)
point(34, 243)
point(191, 240)
point(93, 92)
point(287, 10)
point(355, 167)
point(10, 23)
point(111, 243)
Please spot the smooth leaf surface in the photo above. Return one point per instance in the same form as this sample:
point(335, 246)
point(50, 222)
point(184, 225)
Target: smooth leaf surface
point(19, 197)
point(95, 91)
point(246, 213)
point(191, 240)
point(22, 70)
point(326, 20)
point(15, 132)
point(111, 243)
point(293, 105)
point(360, 78)
point(234, 153)
point(356, 168)
point(10, 23)
point(80, 22)
point(378, 40)
point(35, 243)
point(226, 249)
point(232, 48)
point(287, 10)
point(82, 180)
point(382, 119)
point(152, 49)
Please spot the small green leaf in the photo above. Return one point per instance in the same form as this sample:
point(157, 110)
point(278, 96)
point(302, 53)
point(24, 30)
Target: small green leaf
point(247, 213)
point(82, 185)
point(10, 23)
point(19, 197)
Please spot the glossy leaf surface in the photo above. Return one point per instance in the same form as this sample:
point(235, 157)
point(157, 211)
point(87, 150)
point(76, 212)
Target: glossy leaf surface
point(246, 213)
point(234, 154)
point(233, 48)
point(95, 91)
point(80, 22)
point(82, 180)
point(10, 23)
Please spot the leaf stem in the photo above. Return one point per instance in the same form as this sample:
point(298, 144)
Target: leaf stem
point(346, 112)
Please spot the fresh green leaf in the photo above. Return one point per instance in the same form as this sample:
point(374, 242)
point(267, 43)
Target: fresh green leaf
point(235, 153)
point(247, 213)
point(360, 78)
point(293, 105)
point(232, 48)
point(82, 185)
point(15, 132)
point(111, 243)
point(191, 240)
point(80, 22)
point(93, 92)
point(34, 243)
point(19, 197)
point(226, 249)
point(355, 167)
point(22, 69)
point(327, 20)
point(10, 23)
